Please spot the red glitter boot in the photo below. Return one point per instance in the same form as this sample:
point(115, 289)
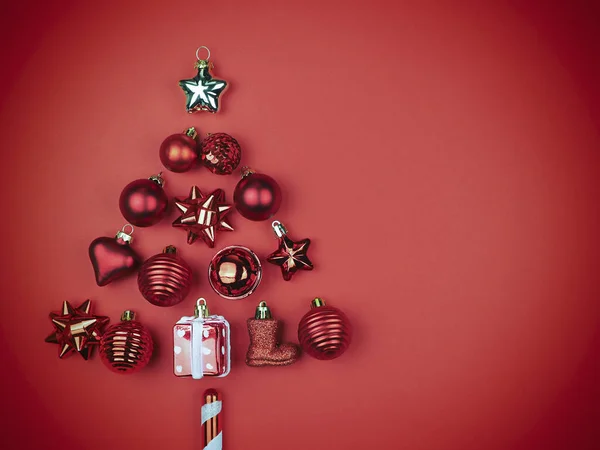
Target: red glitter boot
point(265, 349)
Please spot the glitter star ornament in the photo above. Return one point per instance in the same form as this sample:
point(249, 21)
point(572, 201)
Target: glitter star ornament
point(76, 329)
point(291, 255)
point(203, 91)
point(203, 215)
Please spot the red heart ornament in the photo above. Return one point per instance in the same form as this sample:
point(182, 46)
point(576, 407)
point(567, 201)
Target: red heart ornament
point(113, 258)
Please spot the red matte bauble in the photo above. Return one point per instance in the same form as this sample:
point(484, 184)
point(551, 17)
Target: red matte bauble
point(127, 346)
point(112, 258)
point(220, 153)
point(234, 272)
point(257, 196)
point(179, 152)
point(324, 332)
point(165, 279)
point(143, 202)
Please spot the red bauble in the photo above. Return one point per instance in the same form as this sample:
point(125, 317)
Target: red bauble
point(220, 153)
point(144, 202)
point(113, 258)
point(324, 332)
point(165, 279)
point(179, 152)
point(257, 196)
point(126, 347)
point(234, 272)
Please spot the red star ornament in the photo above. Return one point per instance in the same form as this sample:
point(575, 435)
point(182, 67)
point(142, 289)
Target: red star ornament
point(75, 329)
point(291, 255)
point(203, 215)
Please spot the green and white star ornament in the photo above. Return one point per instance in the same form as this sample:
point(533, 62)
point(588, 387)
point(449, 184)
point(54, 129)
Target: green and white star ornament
point(203, 91)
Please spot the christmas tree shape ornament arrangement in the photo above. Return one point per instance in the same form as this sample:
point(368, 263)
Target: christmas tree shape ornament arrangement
point(202, 342)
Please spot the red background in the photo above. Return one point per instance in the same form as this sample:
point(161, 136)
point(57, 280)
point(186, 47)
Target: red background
point(443, 158)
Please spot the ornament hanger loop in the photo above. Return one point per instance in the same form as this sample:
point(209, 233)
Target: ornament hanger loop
point(201, 301)
point(207, 51)
point(128, 225)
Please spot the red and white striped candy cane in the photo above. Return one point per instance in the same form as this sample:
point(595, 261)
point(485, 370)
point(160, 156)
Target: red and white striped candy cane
point(211, 420)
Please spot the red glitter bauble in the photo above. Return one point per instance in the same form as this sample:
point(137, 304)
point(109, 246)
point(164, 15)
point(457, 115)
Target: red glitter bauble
point(165, 279)
point(220, 153)
point(144, 202)
point(179, 152)
point(126, 347)
point(324, 332)
point(257, 196)
point(234, 272)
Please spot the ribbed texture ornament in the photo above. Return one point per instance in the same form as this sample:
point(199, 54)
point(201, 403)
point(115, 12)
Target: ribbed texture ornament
point(324, 332)
point(126, 347)
point(165, 279)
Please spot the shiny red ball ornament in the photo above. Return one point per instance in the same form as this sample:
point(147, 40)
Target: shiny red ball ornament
point(126, 347)
point(144, 202)
point(113, 258)
point(234, 272)
point(220, 153)
point(324, 332)
point(179, 152)
point(165, 279)
point(257, 196)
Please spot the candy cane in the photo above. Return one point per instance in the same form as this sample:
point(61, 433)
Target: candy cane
point(211, 422)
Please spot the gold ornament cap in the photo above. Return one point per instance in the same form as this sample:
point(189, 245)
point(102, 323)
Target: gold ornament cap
point(317, 302)
point(124, 235)
point(127, 315)
point(247, 171)
point(202, 64)
point(158, 179)
point(191, 132)
point(262, 311)
point(279, 229)
point(170, 250)
point(201, 309)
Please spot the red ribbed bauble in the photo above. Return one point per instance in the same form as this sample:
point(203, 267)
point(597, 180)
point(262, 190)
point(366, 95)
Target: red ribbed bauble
point(234, 272)
point(144, 202)
point(179, 152)
point(126, 347)
point(220, 153)
point(165, 279)
point(257, 196)
point(324, 332)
